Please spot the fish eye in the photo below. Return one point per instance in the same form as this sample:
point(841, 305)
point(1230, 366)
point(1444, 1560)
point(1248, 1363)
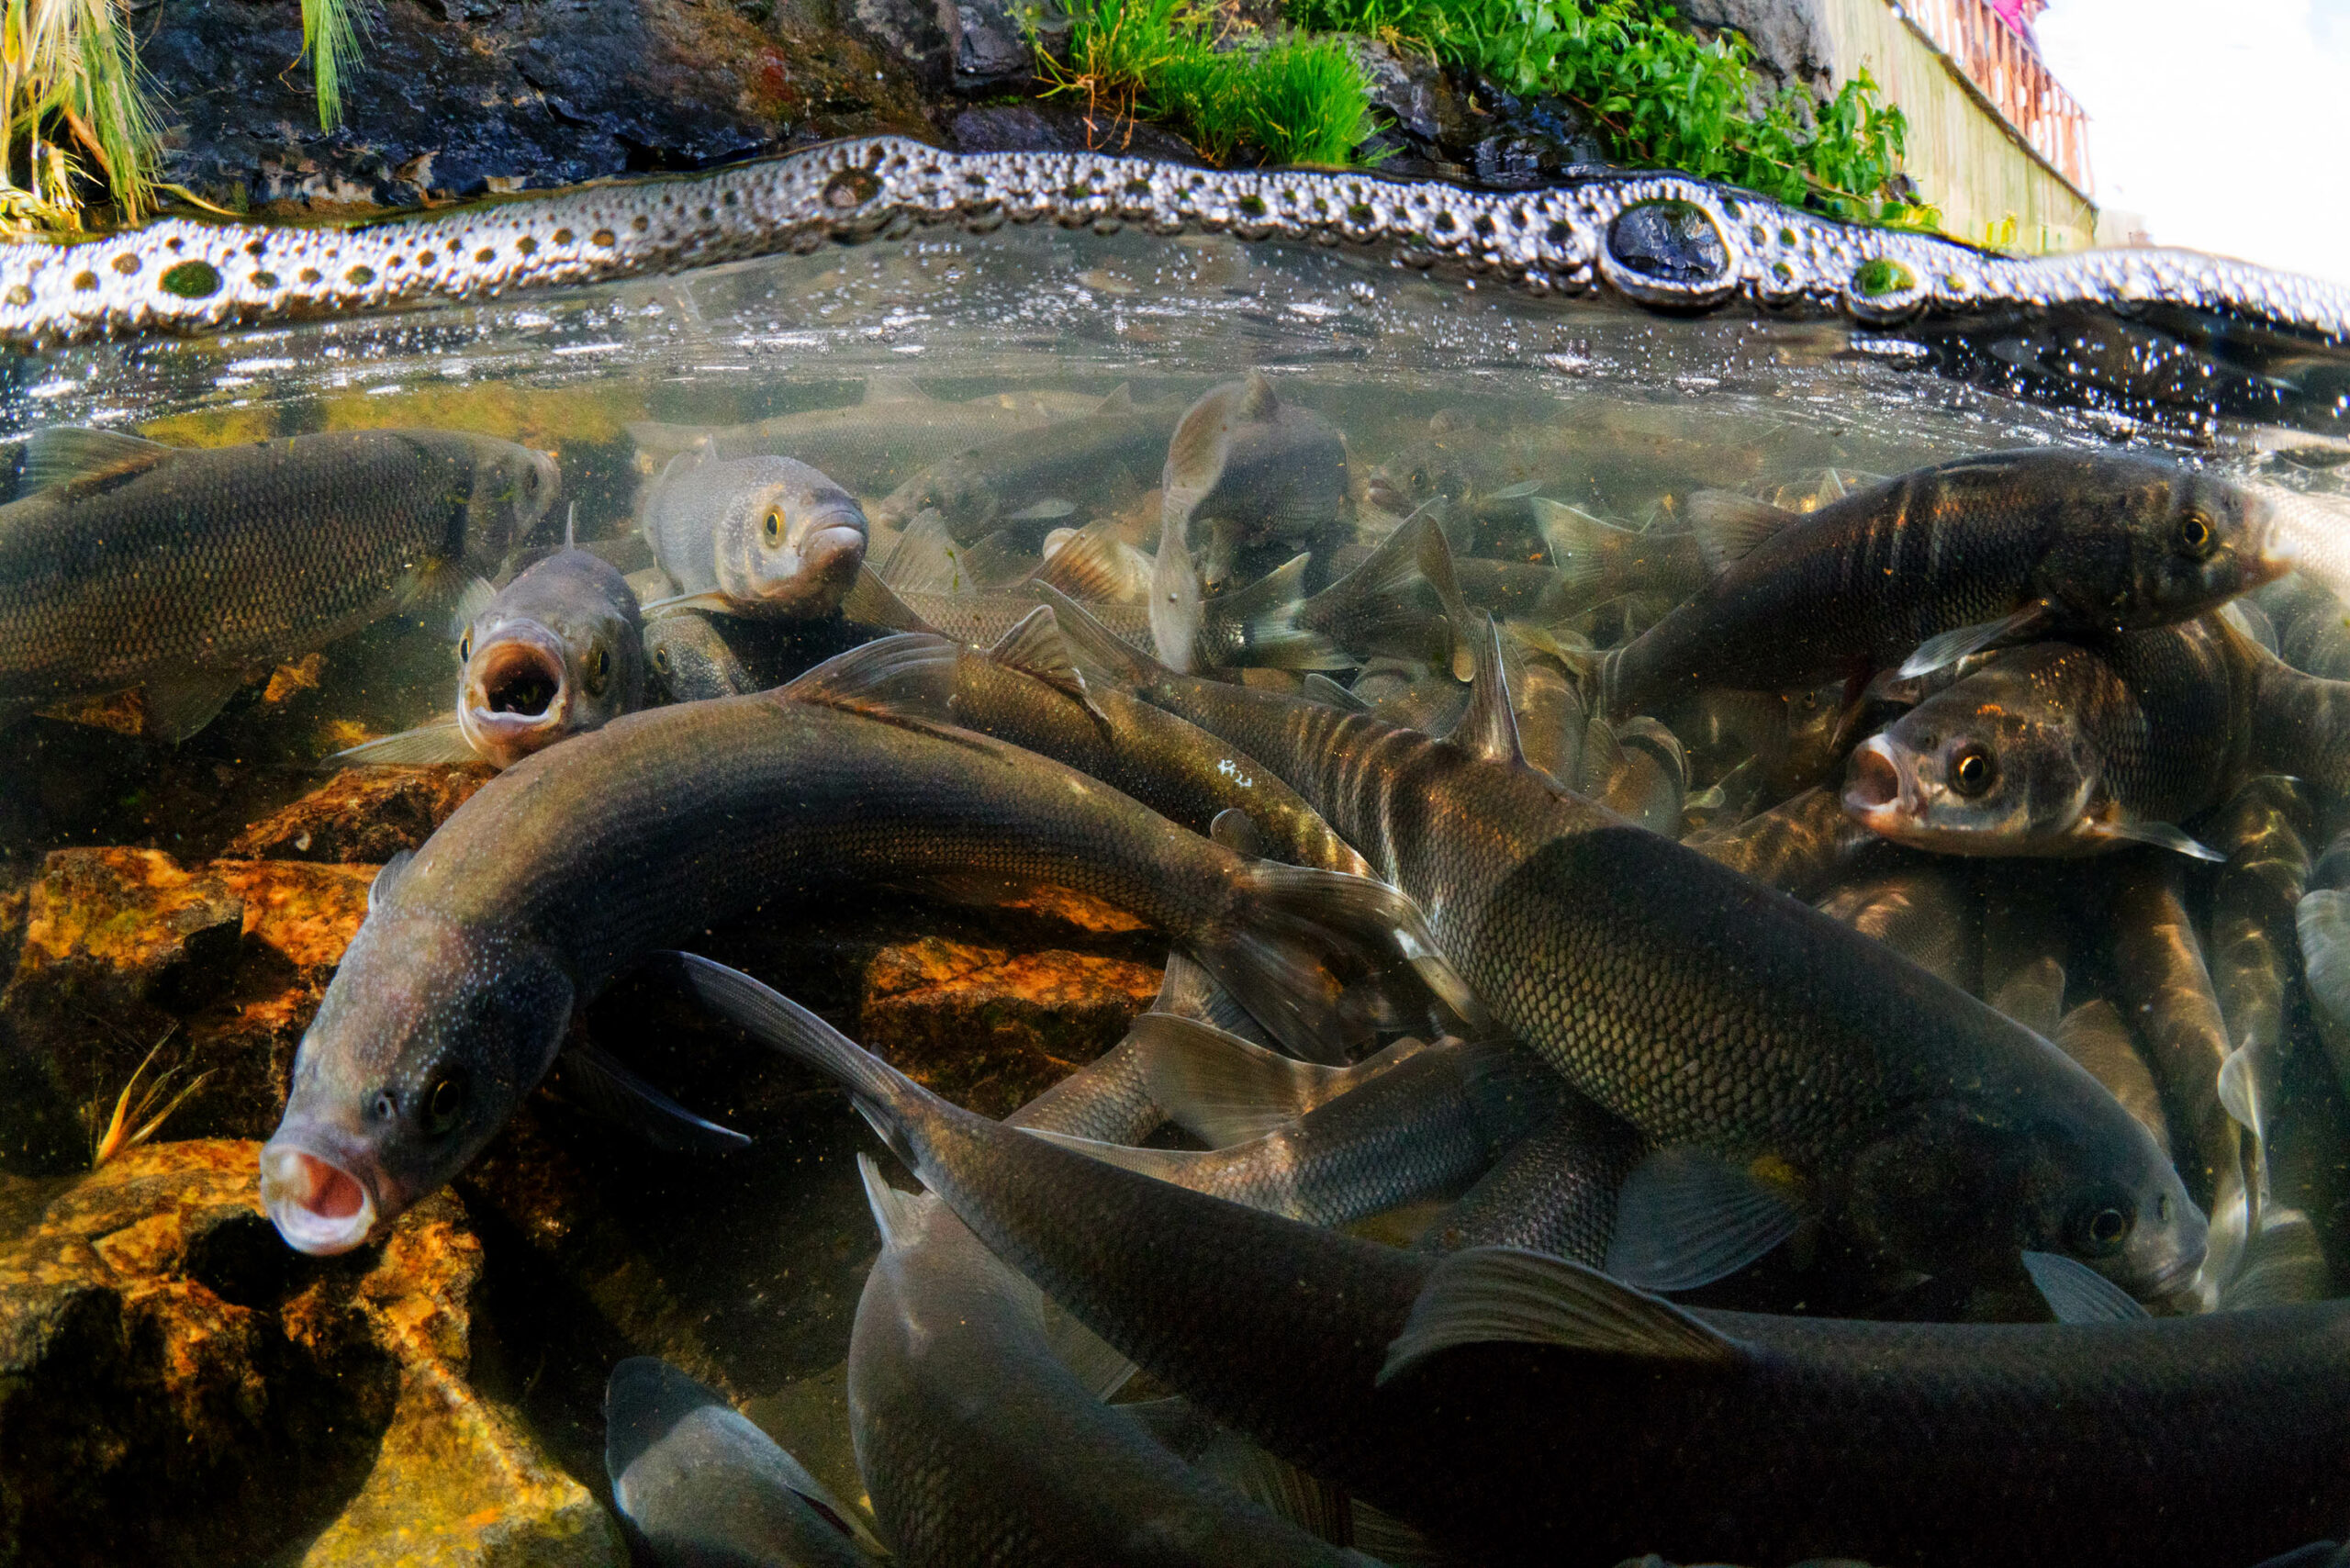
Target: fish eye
point(2195, 535)
point(444, 1102)
point(2101, 1227)
point(771, 525)
point(384, 1108)
point(661, 660)
point(1972, 771)
point(599, 664)
point(465, 647)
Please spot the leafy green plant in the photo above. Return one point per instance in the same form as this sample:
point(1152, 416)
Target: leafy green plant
point(1297, 100)
point(1661, 96)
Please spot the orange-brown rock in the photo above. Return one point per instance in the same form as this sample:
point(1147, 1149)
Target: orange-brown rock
point(122, 948)
point(991, 1029)
point(364, 815)
point(176, 1386)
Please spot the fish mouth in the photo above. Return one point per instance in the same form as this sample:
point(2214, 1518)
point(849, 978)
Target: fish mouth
point(815, 572)
point(2173, 1278)
point(1876, 792)
point(320, 1206)
point(517, 695)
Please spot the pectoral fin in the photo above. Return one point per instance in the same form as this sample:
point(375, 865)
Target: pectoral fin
point(178, 707)
point(2079, 1294)
point(1499, 1294)
point(1686, 1218)
point(1941, 652)
point(602, 1084)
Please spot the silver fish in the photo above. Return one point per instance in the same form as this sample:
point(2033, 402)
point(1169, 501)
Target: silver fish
point(754, 535)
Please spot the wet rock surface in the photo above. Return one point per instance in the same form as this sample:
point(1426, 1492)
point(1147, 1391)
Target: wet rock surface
point(176, 1386)
point(187, 1388)
point(461, 98)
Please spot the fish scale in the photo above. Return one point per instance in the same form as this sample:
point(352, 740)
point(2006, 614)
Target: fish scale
point(1859, 584)
point(1702, 1007)
point(230, 559)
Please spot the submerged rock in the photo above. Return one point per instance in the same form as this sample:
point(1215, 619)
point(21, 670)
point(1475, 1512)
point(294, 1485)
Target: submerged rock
point(362, 815)
point(176, 1386)
point(124, 949)
point(991, 1029)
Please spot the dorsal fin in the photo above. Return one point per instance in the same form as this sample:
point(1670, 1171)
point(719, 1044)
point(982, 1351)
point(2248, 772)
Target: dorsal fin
point(1035, 646)
point(1121, 400)
point(1095, 642)
point(1320, 688)
point(909, 676)
point(995, 561)
point(1257, 402)
point(1435, 565)
point(926, 559)
point(1500, 1294)
point(570, 527)
point(870, 600)
point(1729, 525)
point(66, 455)
point(1086, 565)
point(1489, 729)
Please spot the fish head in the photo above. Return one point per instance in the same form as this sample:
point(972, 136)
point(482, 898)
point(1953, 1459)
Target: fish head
point(690, 659)
point(959, 490)
point(1985, 768)
point(1965, 1186)
point(1426, 471)
point(558, 654)
point(2190, 541)
point(514, 487)
point(790, 543)
point(428, 1037)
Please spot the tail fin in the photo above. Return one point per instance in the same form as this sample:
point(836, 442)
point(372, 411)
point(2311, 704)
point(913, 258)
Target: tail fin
point(1369, 611)
point(897, 1214)
point(1189, 991)
point(885, 1097)
point(1263, 619)
point(1290, 920)
point(1580, 543)
point(1093, 563)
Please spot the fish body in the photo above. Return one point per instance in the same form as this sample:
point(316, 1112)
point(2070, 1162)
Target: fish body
point(705, 1488)
point(869, 446)
point(189, 569)
point(2065, 748)
point(979, 1447)
point(689, 658)
point(452, 998)
point(1255, 474)
point(1795, 847)
point(754, 535)
point(1556, 1192)
point(978, 488)
point(1425, 1128)
point(1707, 1010)
point(1522, 1408)
point(1982, 551)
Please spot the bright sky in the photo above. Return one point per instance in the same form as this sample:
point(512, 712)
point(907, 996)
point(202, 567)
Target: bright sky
point(2225, 122)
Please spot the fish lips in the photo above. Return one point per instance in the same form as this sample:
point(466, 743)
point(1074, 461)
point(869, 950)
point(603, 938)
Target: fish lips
point(823, 566)
point(517, 695)
point(1879, 793)
point(324, 1193)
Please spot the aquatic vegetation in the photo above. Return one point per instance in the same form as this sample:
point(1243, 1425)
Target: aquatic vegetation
point(136, 1116)
point(73, 100)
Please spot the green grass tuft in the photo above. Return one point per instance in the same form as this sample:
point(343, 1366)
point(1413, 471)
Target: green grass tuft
point(1294, 100)
point(331, 31)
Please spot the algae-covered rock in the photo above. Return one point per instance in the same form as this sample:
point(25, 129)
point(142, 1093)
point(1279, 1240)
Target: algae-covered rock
point(991, 1029)
point(176, 1386)
point(124, 949)
point(364, 815)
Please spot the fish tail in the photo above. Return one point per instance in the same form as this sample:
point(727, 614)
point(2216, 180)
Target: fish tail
point(894, 1104)
point(1372, 608)
point(1263, 619)
point(1297, 935)
point(1581, 546)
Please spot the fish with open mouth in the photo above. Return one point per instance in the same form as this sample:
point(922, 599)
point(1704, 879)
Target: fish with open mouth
point(454, 996)
point(558, 652)
point(1894, 1101)
point(754, 535)
point(193, 569)
point(2065, 748)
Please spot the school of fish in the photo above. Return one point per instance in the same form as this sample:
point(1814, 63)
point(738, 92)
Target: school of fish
point(1848, 977)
